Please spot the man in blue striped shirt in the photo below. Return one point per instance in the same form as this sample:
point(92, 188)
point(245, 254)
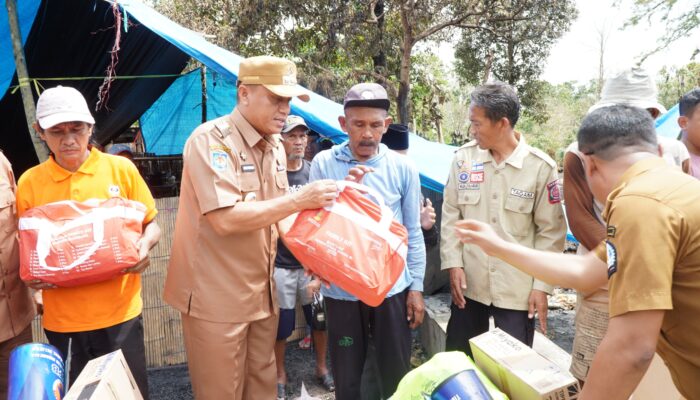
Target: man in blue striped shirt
point(351, 322)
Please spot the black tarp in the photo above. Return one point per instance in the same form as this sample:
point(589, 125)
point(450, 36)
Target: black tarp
point(73, 38)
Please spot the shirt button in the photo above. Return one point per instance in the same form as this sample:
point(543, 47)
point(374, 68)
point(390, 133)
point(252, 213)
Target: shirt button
point(495, 196)
point(497, 172)
point(493, 220)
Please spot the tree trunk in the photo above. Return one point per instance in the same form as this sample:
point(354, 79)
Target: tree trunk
point(403, 99)
point(379, 59)
point(23, 79)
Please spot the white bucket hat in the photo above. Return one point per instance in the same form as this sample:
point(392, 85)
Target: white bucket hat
point(62, 104)
point(632, 87)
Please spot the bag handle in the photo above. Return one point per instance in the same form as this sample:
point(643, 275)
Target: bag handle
point(47, 230)
point(387, 215)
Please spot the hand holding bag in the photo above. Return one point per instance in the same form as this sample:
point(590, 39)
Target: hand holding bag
point(355, 243)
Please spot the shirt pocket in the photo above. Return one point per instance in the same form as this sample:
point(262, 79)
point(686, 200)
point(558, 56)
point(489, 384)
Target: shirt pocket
point(7, 211)
point(281, 180)
point(249, 183)
point(468, 197)
point(518, 216)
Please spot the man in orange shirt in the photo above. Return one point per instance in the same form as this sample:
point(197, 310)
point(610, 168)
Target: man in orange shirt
point(102, 317)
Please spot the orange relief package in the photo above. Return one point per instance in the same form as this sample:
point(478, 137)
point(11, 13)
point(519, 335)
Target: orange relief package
point(354, 244)
point(69, 243)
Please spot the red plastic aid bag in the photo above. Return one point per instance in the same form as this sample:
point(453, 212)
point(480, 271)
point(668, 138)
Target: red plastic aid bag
point(69, 243)
point(355, 244)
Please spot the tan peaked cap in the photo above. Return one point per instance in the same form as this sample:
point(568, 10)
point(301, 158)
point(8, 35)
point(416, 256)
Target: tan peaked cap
point(277, 75)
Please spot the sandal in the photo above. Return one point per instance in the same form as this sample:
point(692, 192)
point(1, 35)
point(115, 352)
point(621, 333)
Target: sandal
point(281, 391)
point(305, 343)
point(327, 382)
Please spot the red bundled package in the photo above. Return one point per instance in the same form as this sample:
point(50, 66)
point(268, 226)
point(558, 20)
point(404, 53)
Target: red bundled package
point(355, 244)
point(69, 243)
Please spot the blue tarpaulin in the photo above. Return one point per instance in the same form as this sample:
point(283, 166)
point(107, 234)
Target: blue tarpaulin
point(667, 124)
point(170, 120)
point(26, 12)
point(321, 114)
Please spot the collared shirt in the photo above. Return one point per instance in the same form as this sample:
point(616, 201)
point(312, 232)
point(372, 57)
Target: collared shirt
point(16, 304)
point(653, 256)
point(520, 199)
point(103, 304)
point(397, 180)
point(225, 278)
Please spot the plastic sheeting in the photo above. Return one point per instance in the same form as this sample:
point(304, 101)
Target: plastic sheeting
point(26, 11)
point(170, 120)
point(667, 124)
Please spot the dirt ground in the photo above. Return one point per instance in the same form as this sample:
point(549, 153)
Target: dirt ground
point(173, 383)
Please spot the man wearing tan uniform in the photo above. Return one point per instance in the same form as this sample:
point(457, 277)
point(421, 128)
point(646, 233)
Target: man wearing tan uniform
point(500, 180)
point(16, 305)
point(233, 193)
point(633, 87)
point(652, 252)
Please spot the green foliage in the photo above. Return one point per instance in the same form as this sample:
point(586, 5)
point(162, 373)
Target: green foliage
point(513, 46)
point(567, 105)
point(680, 23)
point(675, 82)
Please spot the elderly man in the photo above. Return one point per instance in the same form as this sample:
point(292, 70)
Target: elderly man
point(290, 278)
point(95, 319)
point(351, 322)
point(16, 305)
point(650, 258)
point(498, 179)
point(233, 193)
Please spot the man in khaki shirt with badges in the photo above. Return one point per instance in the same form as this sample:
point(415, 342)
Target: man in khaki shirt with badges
point(16, 304)
point(498, 179)
point(233, 194)
point(651, 257)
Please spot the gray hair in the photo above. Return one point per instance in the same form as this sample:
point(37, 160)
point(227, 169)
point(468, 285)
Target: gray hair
point(498, 100)
point(613, 131)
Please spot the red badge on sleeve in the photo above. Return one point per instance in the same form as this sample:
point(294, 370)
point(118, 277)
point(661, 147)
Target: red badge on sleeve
point(553, 191)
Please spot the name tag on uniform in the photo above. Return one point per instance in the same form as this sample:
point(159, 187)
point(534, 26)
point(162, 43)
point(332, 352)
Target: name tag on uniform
point(248, 168)
point(522, 193)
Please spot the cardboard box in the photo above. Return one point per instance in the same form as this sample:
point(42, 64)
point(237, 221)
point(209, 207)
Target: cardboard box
point(105, 378)
point(519, 371)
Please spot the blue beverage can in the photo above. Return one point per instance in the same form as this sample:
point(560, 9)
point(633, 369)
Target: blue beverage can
point(464, 385)
point(36, 373)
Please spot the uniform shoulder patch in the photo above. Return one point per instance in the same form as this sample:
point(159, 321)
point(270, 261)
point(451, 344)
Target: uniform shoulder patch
point(612, 258)
point(554, 196)
point(543, 156)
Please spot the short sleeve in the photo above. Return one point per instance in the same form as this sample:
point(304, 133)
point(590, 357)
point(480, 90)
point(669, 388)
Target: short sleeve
point(640, 250)
point(212, 172)
point(140, 192)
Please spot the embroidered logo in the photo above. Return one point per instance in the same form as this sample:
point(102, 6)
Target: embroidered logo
point(113, 190)
point(219, 159)
point(345, 341)
point(553, 192)
point(477, 177)
point(463, 177)
point(612, 258)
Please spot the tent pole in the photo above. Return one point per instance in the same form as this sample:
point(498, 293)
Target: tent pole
point(23, 78)
point(203, 72)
